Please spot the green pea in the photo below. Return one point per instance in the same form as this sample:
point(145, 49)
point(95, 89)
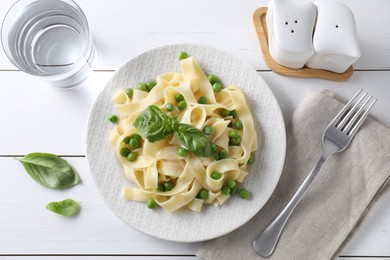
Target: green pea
point(150, 85)
point(169, 107)
point(179, 97)
point(202, 100)
point(136, 137)
point(183, 55)
point(216, 175)
point(134, 143)
point(124, 151)
point(213, 79)
point(208, 130)
point(132, 157)
point(214, 147)
point(217, 87)
point(151, 203)
point(126, 140)
point(216, 156)
point(203, 194)
point(181, 105)
point(182, 151)
point(113, 119)
point(223, 154)
point(225, 112)
point(233, 190)
point(234, 133)
point(129, 92)
point(160, 187)
point(233, 113)
point(142, 86)
point(225, 190)
point(169, 185)
point(251, 159)
point(244, 193)
point(235, 140)
point(238, 124)
point(231, 184)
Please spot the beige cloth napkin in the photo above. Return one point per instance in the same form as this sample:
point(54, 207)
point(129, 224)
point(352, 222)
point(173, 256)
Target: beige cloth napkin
point(350, 183)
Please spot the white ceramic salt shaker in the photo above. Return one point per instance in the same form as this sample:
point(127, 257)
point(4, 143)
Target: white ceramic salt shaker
point(334, 41)
point(290, 30)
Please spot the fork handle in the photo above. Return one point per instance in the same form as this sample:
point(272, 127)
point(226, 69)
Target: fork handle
point(265, 244)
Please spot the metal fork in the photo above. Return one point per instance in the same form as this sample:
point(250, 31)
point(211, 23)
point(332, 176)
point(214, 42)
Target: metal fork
point(336, 138)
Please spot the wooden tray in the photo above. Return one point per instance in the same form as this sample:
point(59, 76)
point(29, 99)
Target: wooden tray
point(260, 24)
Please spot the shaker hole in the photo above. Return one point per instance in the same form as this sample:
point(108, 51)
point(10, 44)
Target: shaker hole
point(295, 21)
point(337, 26)
point(292, 31)
point(286, 23)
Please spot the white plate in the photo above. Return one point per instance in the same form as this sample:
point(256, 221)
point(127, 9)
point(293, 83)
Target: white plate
point(212, 222)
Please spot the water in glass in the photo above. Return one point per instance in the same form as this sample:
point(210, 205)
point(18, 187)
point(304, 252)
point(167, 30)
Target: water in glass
point(49, 38)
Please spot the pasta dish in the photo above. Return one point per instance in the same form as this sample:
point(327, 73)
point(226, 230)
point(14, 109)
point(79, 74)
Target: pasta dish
point(183, 139)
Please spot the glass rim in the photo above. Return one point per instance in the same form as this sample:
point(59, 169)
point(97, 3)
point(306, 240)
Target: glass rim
point(4, 35)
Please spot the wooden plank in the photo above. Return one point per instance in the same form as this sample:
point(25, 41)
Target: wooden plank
point(133, 27)
point(37, 117)
point(28, 228)
point(105, 257)
point(128, 257)
point(291, 91)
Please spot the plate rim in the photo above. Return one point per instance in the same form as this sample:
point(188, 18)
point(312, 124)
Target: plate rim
point(187, 45)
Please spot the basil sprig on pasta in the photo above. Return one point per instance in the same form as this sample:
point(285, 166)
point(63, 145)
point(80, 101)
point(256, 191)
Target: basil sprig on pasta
point(194, 140)
point(154, 125)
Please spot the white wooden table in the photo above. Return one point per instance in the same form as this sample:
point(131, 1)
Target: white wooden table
point(36, 117)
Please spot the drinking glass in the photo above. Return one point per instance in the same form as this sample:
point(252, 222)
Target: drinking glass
point(49, 39)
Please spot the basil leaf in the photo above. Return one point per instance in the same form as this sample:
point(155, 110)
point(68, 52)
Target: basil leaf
point(67, 207)
point(194, 140)
point(49, 170)
point(154, 125)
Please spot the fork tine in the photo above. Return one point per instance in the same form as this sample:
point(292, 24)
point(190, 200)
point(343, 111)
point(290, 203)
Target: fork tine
point(347, 117)
point(352, 121)
point(345, 108)
point(361, 120)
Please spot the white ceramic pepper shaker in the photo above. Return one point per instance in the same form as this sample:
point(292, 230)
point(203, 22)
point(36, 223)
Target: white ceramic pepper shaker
point(334, 41)
point(290, 29)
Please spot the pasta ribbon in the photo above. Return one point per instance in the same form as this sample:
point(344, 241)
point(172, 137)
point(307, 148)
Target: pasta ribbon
point(155, 170)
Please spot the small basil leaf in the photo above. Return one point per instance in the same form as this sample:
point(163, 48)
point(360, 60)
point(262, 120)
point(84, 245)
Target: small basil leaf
point(154, 125)
point(194, 140)
point(49, 170)
point(67, 207)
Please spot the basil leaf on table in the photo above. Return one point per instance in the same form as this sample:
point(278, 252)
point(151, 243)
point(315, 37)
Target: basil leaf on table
point(194, 140)
point(49, 170)
point(67, 207)
point(154, 125)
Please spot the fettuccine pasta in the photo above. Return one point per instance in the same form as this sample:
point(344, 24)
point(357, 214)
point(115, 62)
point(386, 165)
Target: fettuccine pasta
point(175, 179)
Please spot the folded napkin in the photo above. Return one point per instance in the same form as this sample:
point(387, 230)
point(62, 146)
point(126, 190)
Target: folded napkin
point(350, 185)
